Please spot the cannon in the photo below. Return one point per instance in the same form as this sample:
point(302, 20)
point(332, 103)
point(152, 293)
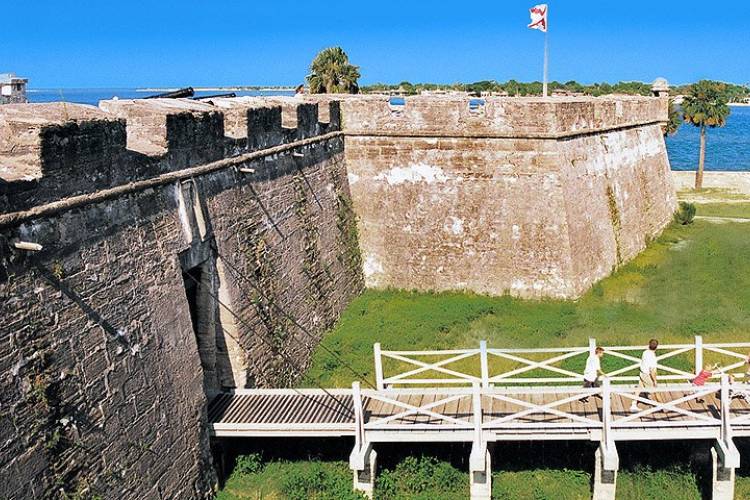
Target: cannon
point(175, 94)
point(215, 96)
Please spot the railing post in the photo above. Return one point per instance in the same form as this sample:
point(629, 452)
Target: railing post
point(378, 366)
point(592, 347)
point(698, 354)
point(476, 397)
point(726, 430)
point(363, 459)
point(480, 459)
point(359, 433)
point(730, 456)
point(606, 410)
point(483, 360)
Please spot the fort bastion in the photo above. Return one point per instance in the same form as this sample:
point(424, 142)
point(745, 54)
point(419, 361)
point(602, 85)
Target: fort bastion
point(156, 252)
point(532, 197)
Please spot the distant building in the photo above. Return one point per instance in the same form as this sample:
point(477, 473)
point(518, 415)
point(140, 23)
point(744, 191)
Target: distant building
point(12, 88)
point(439, 92)
point(566, 93)
point(487, 93)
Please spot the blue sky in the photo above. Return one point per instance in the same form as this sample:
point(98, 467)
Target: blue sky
point(121, 44)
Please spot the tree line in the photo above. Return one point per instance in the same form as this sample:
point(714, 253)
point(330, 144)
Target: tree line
point(734, 92)
point(331, 72)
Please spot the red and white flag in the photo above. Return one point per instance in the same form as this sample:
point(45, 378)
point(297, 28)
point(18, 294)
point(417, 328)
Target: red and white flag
point(539, 17)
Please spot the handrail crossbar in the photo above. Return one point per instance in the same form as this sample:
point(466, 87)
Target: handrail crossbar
point(532, 365)
point(637, 361)
point(437, 366)
point(532, 408)
point(411, 410)
point(657, 406)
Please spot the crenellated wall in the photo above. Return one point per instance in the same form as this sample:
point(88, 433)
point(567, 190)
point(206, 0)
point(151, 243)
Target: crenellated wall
point(532, 197)
point(187, 248)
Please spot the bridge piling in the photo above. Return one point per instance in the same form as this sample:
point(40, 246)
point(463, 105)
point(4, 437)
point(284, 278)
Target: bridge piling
point(364, 479)
point(722, 477)
point(605, 474)
point(480, 473)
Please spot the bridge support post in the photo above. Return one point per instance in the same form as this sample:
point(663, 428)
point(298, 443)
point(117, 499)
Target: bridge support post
point(364, 464)
point(480, 472)
point(606, 464)
point(722, 477)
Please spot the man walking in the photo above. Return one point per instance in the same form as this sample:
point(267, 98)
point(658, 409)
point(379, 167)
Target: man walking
point(648, 371)
point(593, 371)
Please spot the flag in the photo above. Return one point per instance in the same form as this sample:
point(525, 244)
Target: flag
point(539, 17)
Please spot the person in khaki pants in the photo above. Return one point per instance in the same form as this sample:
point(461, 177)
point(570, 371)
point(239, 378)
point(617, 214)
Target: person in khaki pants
point(647, 379)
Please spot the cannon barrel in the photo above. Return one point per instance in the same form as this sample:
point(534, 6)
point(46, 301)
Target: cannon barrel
point(215, 96)
point(175, 94)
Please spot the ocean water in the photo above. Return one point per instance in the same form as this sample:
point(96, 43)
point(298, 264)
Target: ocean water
point(93, 96)
point(728, 147)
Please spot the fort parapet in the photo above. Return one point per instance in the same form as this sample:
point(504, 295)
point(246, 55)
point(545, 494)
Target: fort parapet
point(176, 249)
point(533, 197)
point(156, 252)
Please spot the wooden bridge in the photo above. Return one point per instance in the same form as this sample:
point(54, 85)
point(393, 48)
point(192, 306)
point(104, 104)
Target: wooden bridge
point(482, 396)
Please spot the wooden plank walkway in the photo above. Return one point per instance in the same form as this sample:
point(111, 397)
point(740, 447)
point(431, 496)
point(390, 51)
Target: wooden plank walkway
point(447, 414)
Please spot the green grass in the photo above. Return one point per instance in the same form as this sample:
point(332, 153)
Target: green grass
point(422, 478)
point(693, 280)
point(736, 210)
point(664, 484)
point(293, 480)
point(542, 484)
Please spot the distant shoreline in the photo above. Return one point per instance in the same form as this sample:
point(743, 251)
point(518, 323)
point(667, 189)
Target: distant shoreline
point(221, 89)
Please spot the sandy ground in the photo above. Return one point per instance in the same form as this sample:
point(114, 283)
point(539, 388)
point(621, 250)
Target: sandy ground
point(727, 187)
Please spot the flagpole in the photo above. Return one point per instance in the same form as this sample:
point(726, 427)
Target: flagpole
point(546, 63)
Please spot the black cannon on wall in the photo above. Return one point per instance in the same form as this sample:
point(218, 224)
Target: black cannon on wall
point(175, 94)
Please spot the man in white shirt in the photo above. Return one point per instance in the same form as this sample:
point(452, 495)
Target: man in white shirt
point(647, 377)
point(593, 371)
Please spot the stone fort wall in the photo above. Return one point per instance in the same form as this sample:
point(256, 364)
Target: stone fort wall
point(532, 197)
point(148, 212)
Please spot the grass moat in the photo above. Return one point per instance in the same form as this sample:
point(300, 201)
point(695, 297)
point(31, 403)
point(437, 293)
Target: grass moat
point(692, 280)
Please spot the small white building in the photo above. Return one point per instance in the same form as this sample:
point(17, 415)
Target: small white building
point(12, 88)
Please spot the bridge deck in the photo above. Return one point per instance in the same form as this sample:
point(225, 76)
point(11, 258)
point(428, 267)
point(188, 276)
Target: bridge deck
point(448, 415)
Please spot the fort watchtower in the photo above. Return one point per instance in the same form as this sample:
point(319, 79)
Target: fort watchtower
point(12, 88)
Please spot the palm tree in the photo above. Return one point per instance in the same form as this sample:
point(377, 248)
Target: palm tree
point(673, 121)
point(331, 73)
point(705, 106)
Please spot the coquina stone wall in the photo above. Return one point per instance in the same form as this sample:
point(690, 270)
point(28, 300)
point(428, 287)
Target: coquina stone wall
point(533, 197)
point(152, 216)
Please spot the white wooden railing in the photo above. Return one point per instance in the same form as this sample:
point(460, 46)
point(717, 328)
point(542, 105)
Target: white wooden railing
point(441, 368)
point(657, 409)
